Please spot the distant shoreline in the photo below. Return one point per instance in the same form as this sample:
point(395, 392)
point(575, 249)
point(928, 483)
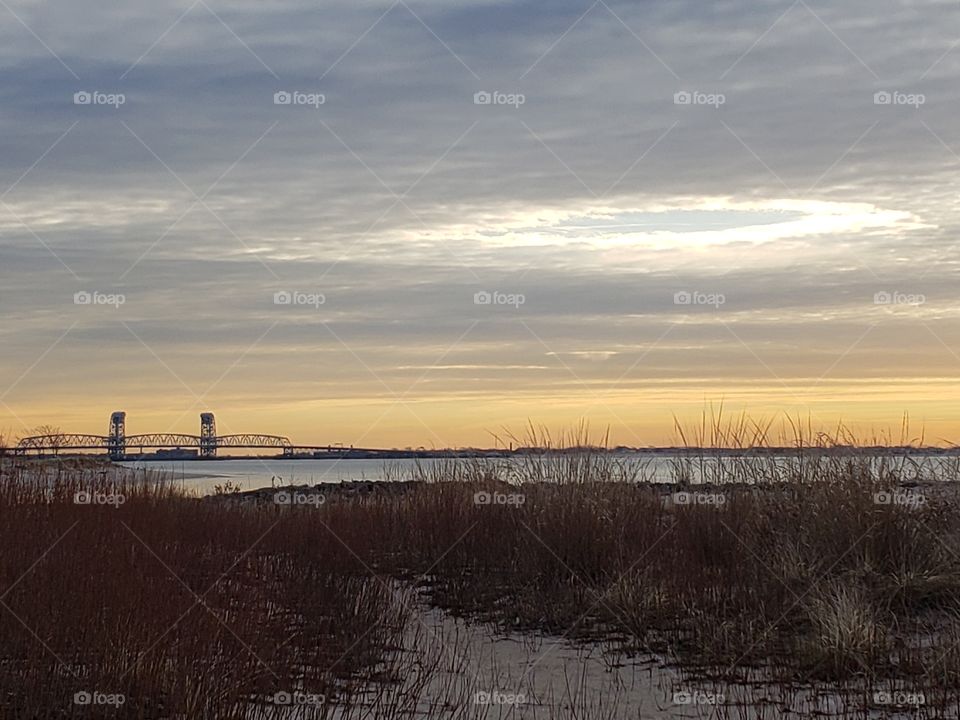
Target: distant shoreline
point(480, 453)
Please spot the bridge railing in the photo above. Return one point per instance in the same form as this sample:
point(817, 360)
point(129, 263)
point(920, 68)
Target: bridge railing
point(247, 441)
point(74, 441)
point(163, 440)
point(62, 441)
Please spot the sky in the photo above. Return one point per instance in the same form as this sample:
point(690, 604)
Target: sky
point(425, 223)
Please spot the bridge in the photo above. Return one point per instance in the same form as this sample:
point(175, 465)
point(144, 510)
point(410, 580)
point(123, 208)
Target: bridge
point(116, 443)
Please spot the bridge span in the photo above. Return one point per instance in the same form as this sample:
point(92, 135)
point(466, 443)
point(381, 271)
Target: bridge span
point(117, 444)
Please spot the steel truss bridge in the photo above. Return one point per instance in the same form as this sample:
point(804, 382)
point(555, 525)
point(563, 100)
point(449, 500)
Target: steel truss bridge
point(118, 444)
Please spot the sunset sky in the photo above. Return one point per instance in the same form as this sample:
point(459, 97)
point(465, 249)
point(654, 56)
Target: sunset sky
point(785, 242)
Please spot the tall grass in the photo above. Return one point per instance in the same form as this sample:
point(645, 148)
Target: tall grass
point(740, 449)
point(820, 570)
point(185, 607)
point(817, 583)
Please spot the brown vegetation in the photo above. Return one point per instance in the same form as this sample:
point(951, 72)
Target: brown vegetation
point(842, 577)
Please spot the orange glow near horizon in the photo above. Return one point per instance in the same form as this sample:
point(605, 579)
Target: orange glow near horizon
point(870, 411)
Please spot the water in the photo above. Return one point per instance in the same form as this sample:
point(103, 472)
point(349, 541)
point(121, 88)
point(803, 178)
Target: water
point(204, 475)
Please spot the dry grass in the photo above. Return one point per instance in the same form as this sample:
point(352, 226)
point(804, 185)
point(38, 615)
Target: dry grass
point(204, 608)
point(184, 607)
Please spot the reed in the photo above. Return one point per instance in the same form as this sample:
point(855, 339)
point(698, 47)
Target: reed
point(829, 567)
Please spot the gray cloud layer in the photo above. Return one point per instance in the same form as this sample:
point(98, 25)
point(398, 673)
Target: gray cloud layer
point(398, 198)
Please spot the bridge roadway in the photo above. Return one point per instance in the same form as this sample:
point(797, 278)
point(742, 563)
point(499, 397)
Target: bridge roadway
point(176, 441)
point(117, 443)
point(74, 441)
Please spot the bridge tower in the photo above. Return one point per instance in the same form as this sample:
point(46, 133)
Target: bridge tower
point(208, 435)
point(117, 437)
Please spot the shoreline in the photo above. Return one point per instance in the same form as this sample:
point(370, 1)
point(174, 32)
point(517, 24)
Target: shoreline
point(764, 452)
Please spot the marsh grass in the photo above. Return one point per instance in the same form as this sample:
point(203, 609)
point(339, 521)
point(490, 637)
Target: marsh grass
point(820, 566)
point(187, 608)
point(803, 577)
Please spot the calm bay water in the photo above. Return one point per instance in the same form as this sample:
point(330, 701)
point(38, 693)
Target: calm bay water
point(204, 475)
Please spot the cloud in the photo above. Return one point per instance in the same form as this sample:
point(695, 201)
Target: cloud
point(598, 198)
